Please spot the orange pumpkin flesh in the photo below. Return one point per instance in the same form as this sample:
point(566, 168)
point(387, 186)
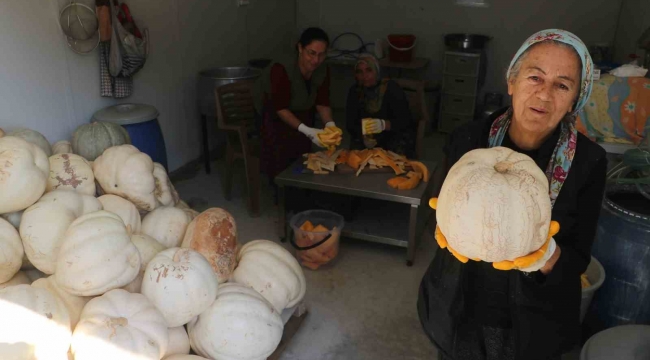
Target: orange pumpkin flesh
point(393, 182)
point(411, 183)
point(420, 168)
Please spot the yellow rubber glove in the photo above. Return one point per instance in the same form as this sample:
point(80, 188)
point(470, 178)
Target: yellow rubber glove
point(372, 126)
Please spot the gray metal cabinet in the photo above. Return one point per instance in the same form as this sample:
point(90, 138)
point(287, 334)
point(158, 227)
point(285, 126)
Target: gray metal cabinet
point(460, 86)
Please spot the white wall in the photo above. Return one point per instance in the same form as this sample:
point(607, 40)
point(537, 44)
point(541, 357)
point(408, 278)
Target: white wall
point(47, 87)
point(633, 21)
point(509, 22)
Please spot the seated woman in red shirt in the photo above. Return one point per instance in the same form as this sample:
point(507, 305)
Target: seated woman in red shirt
point(292, 92)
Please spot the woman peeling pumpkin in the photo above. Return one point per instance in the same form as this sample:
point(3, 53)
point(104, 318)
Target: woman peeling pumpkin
point(475, 309)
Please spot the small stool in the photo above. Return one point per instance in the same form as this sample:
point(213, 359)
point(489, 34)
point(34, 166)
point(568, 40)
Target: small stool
point(626, 342)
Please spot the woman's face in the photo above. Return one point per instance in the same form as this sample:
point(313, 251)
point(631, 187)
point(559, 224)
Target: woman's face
point(312, 55)
point(546, 87)
point(366, 75)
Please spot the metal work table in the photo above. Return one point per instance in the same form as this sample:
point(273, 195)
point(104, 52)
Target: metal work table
point(371, 224)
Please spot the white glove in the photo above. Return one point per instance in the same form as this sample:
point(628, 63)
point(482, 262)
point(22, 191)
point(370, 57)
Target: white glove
point(312, 134)
point(330, 124)
point(372, 126)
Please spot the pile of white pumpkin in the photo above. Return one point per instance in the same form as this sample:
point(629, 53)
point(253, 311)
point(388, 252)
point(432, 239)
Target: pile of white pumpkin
point(99, 259)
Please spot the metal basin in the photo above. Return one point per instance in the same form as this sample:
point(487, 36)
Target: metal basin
point(213, 78)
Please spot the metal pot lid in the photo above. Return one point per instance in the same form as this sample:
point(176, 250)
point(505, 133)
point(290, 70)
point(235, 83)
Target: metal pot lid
point(126, 114)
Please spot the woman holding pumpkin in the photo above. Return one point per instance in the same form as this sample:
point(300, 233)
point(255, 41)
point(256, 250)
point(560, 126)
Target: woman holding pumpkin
point(474, 311)
point(377, 111)
point(288, 96)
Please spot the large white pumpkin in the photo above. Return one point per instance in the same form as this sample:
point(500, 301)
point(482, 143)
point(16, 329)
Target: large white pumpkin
point(180, 283)
point(167, 225)
point(120, 325)
point(74, 304)
point(148, 247)
point(271, 270)
point(213, 233)
point(34, 137)
point(24, 168)
point(494, 205)
point(127, 172)
point(11, 251)
point(35, 324)
point(90, 140)
point(239, 325)
point(19, 279)
point(43, 225)
point(71, 172)
point(179, 342)
point(62, 147)
point(97, 255)
point(124, 209)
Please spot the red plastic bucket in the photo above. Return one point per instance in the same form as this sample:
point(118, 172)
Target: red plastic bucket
point(401, 47)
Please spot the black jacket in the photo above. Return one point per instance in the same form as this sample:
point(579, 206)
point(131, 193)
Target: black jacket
point(544, 310)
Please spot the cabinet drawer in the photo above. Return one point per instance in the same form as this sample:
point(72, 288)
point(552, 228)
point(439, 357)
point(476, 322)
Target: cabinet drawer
point(461, 65)
point(459, 85)
point(456, 104)
point(449, 122)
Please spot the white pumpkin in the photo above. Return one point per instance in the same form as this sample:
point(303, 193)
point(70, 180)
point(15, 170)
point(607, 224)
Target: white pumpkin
point(74, 304)
point(71, 172)
point(43, 225)
point(96, 255)
point(35, 324)
point(24, 168)
point(13, 218)
point(184, 357)
point(11, 251)
point(148, 247)
point(271, 270)
point(240, 324)
point(179, 342)
point(62, 147)
point(120, 325)
point(167, 225)
point(33, 137)
point(19, 279)
point(90, 140)
point(125, 171)
point(124, 209)
point(180, 283)
point(494, 205)
point(213, 234)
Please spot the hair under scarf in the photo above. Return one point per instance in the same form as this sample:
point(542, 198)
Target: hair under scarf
point(560, 163)
point(371, 98)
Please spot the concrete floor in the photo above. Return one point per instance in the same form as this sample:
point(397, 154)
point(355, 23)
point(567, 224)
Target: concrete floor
point(363, 304)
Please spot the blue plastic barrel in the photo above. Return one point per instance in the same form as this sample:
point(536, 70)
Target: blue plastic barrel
point(141, 122)
point(623, 248)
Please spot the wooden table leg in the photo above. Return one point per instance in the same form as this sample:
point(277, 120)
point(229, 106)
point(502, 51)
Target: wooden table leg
point(282, 215)
point(206, 146)
point(413, 222)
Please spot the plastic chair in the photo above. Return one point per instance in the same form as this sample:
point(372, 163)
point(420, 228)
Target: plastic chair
point(418, 105)
point(236, 116)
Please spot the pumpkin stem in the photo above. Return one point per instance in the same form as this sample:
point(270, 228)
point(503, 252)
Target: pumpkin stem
point(503, 166)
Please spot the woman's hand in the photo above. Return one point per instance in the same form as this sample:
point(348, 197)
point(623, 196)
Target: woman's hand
point(546, 269)
point(312, 134)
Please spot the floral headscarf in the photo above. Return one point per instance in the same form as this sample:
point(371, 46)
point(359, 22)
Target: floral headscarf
point(371, 98)
point(560, 163)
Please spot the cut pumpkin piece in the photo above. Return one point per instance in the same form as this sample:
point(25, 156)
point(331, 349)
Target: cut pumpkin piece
point(412, 182)
point(354, 160)
point(393, 182)
point(389, 161)
point(503, 265)
point(420, 168)
point(307, 226)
